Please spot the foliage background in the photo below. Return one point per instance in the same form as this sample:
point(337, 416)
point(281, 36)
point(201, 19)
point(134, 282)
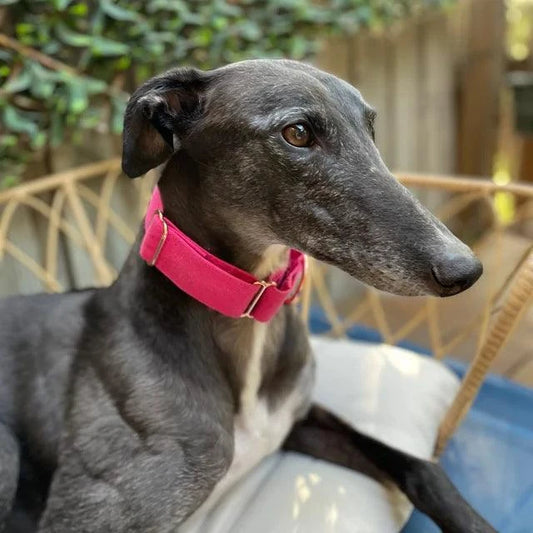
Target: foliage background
point(68, 65)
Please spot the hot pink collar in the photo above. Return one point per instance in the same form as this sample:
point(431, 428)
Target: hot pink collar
point(217, 284)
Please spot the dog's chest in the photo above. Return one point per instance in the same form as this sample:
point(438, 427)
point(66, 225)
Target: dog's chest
point(260, 433)
point(259, 429)
point(256, 435)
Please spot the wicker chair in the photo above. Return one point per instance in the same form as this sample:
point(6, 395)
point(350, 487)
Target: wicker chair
point(73, 229)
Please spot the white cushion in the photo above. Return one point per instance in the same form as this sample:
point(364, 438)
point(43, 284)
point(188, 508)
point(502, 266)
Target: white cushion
point(387, 392)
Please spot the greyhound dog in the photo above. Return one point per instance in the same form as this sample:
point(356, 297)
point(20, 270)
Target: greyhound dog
point(134, 407)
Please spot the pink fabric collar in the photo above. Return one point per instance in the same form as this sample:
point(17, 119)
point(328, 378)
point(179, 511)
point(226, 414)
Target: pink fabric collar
point(217, 284)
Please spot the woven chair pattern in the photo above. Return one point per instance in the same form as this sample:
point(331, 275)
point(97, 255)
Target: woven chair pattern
point(77, 211)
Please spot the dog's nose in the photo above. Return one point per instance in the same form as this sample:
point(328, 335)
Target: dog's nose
point(454, 273)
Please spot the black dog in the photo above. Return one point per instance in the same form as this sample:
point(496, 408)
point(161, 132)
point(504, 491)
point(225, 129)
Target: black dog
point(126, 409)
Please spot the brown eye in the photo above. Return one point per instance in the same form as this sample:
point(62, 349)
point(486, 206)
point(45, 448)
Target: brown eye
point(298, 135)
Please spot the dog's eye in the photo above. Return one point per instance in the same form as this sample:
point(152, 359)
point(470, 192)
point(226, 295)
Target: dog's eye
point(298, 135)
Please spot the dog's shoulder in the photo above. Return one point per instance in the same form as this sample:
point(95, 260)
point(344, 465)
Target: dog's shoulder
point(35, 328)
point(38, 338)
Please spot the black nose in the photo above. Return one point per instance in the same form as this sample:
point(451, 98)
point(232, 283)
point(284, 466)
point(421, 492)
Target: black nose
point(455, 273)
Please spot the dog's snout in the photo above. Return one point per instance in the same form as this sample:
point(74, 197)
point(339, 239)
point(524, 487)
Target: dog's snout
point(454, 273)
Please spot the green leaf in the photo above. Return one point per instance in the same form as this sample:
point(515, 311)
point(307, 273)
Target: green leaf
point(43, 89)
point(24, 28)
point(19, 122)
point(162, 37)
point(61, 4)
point(19, 83)
point(155, 49)
point(79, 10)
point(123, 63)
point(118, 13)
point(298, 47)
point(52, 48)
point(139, 38)
point(40, 73)
point(107, 47)
point(117, 115)
point(219, 23)
point(78, 100)
point(176, 6)
point(228, 9)
point(67, 36)
point(250, 30)
point(202, 37)
point(94, 86)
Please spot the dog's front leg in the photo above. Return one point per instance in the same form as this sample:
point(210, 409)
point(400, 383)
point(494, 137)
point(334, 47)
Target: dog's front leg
point(324, 436)
point(117, 474)
point(153, 492)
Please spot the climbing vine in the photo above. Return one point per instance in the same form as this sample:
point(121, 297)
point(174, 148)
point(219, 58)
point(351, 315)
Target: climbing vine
point(68, 65)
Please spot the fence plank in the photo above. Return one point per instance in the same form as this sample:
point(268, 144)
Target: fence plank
point(435, 81)
point(334, 57)
point(406, 99)
point(480, 82)
point(438, 110)
point(373, 79)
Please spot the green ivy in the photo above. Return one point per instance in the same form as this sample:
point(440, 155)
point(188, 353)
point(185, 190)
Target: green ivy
point(111, 46)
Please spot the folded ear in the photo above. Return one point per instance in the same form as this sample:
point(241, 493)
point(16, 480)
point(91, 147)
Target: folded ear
point(157, 117)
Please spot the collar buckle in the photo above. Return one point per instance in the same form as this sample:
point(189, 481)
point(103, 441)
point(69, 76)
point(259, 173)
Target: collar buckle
point(263, 286)
point(162, 239)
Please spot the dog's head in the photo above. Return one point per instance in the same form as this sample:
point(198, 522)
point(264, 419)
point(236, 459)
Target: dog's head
point(283, 153)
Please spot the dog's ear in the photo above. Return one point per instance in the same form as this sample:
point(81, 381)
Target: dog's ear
point(157, 117)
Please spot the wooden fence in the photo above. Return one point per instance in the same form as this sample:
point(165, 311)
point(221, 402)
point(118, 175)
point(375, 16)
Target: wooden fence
point(435, 82)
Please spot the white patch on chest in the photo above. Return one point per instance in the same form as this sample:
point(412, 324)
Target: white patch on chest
point(258, 431)
point(261, 435)
point(255, 439)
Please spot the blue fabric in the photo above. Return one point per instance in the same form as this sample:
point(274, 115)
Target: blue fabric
point(490, 459)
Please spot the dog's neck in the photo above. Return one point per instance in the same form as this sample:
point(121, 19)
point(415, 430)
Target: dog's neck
point(241, 342)
point(195, 212)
